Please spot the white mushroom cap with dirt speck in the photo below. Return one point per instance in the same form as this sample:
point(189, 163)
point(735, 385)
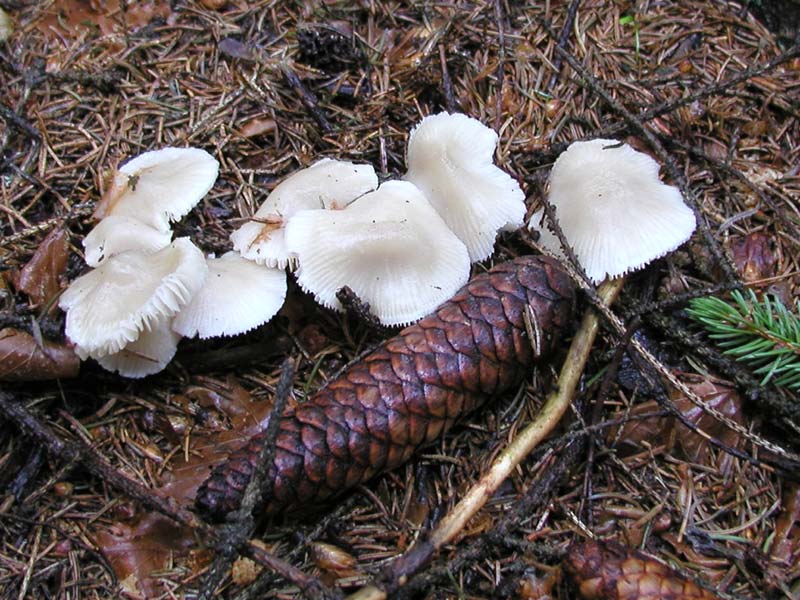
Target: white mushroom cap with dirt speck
point(613, 209)
point(390, 247)
point(327, 184)
point(117, 233)
point(237, 296)
point(160, 186)
point(450, 158)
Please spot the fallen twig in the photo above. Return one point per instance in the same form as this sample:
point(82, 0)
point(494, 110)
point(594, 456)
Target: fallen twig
point(636, 122)
point(537, 496)
point(563, 37)
point(447, 83)
point(501, 63)
point(308, 99)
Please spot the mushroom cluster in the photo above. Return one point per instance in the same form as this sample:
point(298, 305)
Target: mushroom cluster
point(146, 291)
point(403, 247)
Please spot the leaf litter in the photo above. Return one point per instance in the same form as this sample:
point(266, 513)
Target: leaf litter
point(97, 85)
point(146, 543)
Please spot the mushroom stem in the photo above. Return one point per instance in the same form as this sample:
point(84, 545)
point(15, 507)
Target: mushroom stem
point(520, 447)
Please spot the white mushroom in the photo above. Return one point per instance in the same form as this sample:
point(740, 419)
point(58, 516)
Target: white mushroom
point(238, 296)
point(148, 354)
point(159, 186)
point(390, 247)
point(613, 209)
point(328, 184)
point(117, 233)
point(450, 158)
point(108, 307)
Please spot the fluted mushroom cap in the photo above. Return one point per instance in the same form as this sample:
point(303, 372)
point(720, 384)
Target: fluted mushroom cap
point(450, 158)
point(613, 209)
point(108, 307)
point(328, 184)
point(237, 296)
point(390, 247)
point(159, 186)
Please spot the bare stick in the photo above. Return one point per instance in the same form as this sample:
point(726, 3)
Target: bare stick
point(447, 83)
point(563, 38)
point(308, 99)
point(591, 82)
point(717, 88)
point(501, 63)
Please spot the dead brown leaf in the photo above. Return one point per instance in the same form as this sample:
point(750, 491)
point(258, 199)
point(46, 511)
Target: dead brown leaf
point(39, 278)
point(22, 359)
point(332, 559)
point(785, 548)
point(149, 541)
point(532, 587)
point(245, 571)
point(258, 126)
point(214, 4)
point(754, 256)
point(137, 550)
point(70, 19)
point(670, 432)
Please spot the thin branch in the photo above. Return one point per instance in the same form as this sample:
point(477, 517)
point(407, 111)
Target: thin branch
point(447, 83)
point(563, 38)
point(501, 63)
point(308, 99)
point(597, 406)
point(536, 496)
point(717, 88)
point(19, 123)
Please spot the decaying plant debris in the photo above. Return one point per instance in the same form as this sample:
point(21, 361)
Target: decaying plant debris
point(268, 88)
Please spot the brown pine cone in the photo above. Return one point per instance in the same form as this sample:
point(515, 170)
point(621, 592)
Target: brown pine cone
point(407, 392)
point(608, 571)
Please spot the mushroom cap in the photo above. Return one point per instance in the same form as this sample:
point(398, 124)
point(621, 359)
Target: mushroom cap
point(390, 247)
point(238, 296)
point(159, 186)
point(450, 158)
point(108, 307)
point(148, 354)
point(613, 209)
point(117, 233)
point(330, 184)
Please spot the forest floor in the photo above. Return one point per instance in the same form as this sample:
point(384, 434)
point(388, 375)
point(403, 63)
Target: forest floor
point(270, 87)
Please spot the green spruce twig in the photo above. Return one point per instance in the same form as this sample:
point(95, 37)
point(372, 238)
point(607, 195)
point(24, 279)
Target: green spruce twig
point(762, 333)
